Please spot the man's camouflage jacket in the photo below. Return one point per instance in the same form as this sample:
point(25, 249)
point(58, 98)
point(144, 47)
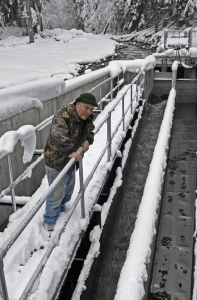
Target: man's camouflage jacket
point(67, 134)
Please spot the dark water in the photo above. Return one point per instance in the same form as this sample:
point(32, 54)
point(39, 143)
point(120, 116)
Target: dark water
point(130, 51)
point(132, 193)
point(124, 51)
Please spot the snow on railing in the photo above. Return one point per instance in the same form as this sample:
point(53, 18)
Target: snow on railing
point(26, 133)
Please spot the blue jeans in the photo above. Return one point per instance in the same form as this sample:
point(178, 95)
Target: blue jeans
point(61, 194)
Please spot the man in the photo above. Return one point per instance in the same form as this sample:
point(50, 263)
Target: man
point(71, 128)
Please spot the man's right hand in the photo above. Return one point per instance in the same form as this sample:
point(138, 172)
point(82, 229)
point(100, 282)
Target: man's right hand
point(76, 155)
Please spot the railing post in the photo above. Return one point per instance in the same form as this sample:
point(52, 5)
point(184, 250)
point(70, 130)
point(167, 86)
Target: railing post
point(109, 136)
point(123, 113)
point(81, 189)
point(118, 83)
point(101, 102)
point(111, 87)
point(137, 90)
point(3, 281)
point(11, 182)
point(131, 92)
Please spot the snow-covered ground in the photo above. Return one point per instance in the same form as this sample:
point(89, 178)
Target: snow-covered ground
point(55, 52)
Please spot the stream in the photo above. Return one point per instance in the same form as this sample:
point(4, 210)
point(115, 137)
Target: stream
point(124, 51)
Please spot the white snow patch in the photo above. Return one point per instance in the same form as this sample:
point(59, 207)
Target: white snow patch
point(25, 134)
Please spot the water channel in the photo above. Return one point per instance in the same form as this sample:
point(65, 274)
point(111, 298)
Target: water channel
point(132, 189)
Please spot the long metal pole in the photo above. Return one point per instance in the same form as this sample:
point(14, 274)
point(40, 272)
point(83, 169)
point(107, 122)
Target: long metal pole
point(81, 189)
point(118, 83)
point(131, 93)
point(101, 102)
point(111, 83)
point(109, 136)
point(137, 90)
point(123, 113)
point(11, 182)
point(3, 281)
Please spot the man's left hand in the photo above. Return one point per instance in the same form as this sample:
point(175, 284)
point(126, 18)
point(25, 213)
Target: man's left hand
point(85, 146)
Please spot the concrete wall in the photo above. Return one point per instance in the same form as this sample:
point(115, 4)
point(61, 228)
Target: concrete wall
point(35, 116)
point(148, 84)
point(186, 90)
point(162, 86)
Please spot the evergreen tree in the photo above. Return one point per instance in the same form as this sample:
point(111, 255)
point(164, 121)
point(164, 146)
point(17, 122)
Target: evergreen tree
point(190, 11)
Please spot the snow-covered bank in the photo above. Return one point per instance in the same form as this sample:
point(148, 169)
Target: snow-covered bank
point(54, 53)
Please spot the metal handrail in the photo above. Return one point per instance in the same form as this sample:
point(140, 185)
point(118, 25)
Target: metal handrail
point(102, 99)
point(106, 80)
point(13, 237)
point(21, 177)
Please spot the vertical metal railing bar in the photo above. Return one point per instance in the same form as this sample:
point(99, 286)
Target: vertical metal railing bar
point(81, 189)
point(22, 176)
point(3, 281)
point(137, 90)
point(11, 181)
point(111, 89)
point(123, 115)
point(131, 95)
point(118, 83)
point(101, 103)
point(109, 135)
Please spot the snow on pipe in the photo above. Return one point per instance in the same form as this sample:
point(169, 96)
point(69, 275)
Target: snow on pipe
point(134, 273)
point(25, 134)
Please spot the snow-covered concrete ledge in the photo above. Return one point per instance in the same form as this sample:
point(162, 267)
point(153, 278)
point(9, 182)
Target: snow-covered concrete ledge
point(19, 98)
point(134, 273)
point(16, 99)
